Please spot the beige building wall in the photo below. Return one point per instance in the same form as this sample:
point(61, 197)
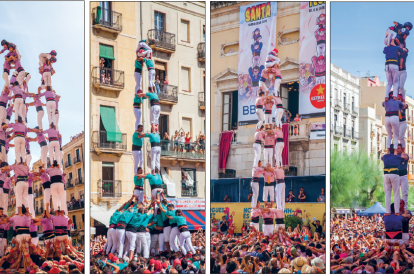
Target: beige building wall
point(185, 109)
point(308, 156)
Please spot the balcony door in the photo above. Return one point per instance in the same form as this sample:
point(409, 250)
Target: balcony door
point(108, 179)
point(188, 182)
point(161, 71)
point(159, 21)
point(106, 13)
point(163, 127)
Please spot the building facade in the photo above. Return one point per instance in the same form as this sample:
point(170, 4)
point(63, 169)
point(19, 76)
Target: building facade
point(306, 156)
point(176, 32)
point(344, 110)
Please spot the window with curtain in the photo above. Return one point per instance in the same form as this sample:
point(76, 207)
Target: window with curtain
point(185, 79)
point(107, 53)
point(80, 175)
point(110, 124)
point(185, 30)
point(159, 21)
point(188, 182)
point(227, 108)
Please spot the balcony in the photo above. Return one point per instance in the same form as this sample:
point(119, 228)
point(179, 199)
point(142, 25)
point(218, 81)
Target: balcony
point(299, 131)
point(79, 181)
point(76, 160)
point(347, 133)
point(110, 189)
point(68, 164)
point(202, 100)
point(76, 206)
point(168, 94)
point(101, 144)
point(38, 194)
point(355, 110)
point(183, 152)
point(338, 104)
point(107, 20)
point(347, 108)
point(355, 135)
point(201, 52)
point(338, 131)
point(70, 183)
point(107, 78)
point(161, 41)
point(189, 191)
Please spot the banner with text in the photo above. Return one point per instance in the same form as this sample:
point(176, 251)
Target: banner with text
point(240, 212)
point(312, 65)
point(257, 37)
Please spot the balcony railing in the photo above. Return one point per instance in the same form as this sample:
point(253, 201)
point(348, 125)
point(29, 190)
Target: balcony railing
point(108, 78)
point(68, 164)
point(338, 130)
point(161, 40)
point(76, 206)
point(38, 194)
point(78, 181)
point(100, 141)
point(202, 100)
point(76, 160)
point(193, 150)
point(189, 190)
point(355, 135)
point(347, 133)
point(201, 51)
point(347, 107)
point(298, 130)
point(355, 110)
point(168, 94)
point(69, 183)
point(338, 104)
point(111, 188)
point(107, 19)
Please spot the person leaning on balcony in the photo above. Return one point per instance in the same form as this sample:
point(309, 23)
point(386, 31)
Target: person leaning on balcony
point(297, 118)
point(166, 142)
point(286, 116)
point(181, 139)
point(188, 142)
point(176, 139)
point(202, 143)
point(165, 88)
point(157, 84)
point(290, 197)
point(302, 195)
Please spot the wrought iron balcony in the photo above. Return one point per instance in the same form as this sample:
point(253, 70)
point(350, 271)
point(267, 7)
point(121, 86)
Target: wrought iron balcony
point(70, 183)
point(338, 104)
point(68, 164)
point(202, 100)
point(76, 160)
point(189, 190)
point(201, 51)
point(355, 110)
point(355, 135)
point(110, 188)
point(100, 142)
point(107, 78)
point(161, 41)
point(78, 181)
point(105, 19)
point(168, 94)
point(193, 150)
point(347, 133)
point(347, 107)
point(76, 206)
point(338, 130)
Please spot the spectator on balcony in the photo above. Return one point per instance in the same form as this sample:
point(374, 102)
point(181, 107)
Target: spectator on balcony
point(234, 128)
point(157, 84)
point(188, 142)
point(103, 78)
point(176, 139)
point(290, 197)
point(202, 143)
point(165, 88)
point(286, 116)
point(227, 198)
point(321, 198)
point(108, 79)
point(182, 140)
point(166, 143)
point(302, 195)
point(298, 118)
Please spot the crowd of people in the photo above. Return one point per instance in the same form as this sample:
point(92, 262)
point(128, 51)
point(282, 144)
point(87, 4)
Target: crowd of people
point(24, 254)
point(182, 141)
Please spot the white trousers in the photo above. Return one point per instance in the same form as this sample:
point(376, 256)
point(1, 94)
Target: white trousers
point(154, 192)
point(255, 189)
point(140, 195)
point(185, 238)
point(35, 241)
point(268, 119)
point(61, 241)
point(279, 115)
point(280, 196)
point(257, 152)
point(262, 84)
point(42, 57)
point(30, 203)
point(132, 240)
point(260, 117)
point(148, 238)
point(151, 78)
point(138, 78)
point(110, 240)
point(28, 159)
point(278, 154)
point(277, 226)
point(155, 157)
point(120, 235)
point(268, 229)
point(138, 159)
point(173, 235)
point(47, 77)
point(406, 237)
point(20, 149)
point(58, 195)
point(5, 202)
point(3, 154)
point(142, 239)
point(3, 114)
point(269, 191)
point(391, 72)
point(19, 108)
point(40, 115)
point(167, 232)
point(402, 129)
point(155, 114)
point(255, 225)
point(43, 154)
point(404, 189)
point(392, 183)
point(54, 152)
point(51, 108)
point(138, 116)
point(389, 35)
point(402, 76)
point(277, 87)
point(154, 248)
point(21, 191)
point(268, 156)
point(392, 124)
point(57, 120)
point(46, 196)
point(6, 79)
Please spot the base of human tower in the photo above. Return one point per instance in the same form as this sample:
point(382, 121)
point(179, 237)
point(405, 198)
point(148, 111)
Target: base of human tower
point(25, 256)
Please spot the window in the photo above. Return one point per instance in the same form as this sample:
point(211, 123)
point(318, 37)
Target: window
point(186, 123)
point(163, 127)
point(204, 33)
point(230, 106)
point(159, 21)
point(72, 196)
point(80, 175)
point(74, 222)
point(188, 182)
point(81, 194)
point(106, 12)
point(185, 79)
point(109, 129)
point(70, 175)
point(107, 53)
point(185, 30)
point(69, 160)
point(78, 155)
point(161, 71)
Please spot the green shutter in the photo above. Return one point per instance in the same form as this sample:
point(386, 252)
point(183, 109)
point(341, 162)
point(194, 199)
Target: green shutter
point(106, 51)
point(98, 15)
point(113, 134)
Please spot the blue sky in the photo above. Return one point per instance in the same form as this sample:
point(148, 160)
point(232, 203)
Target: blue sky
point(39, 27)
point(358, 32)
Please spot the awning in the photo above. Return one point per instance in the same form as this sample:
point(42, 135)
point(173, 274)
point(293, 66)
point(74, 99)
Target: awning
point(106, 51)
point(160, 66)
point(113, 133)
point(168, 183)
point(195, 219)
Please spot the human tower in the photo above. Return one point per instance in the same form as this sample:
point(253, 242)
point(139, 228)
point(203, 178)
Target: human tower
point(19, 175)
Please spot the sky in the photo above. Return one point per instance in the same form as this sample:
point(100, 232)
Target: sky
point(358, 32)
point(39, 27)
